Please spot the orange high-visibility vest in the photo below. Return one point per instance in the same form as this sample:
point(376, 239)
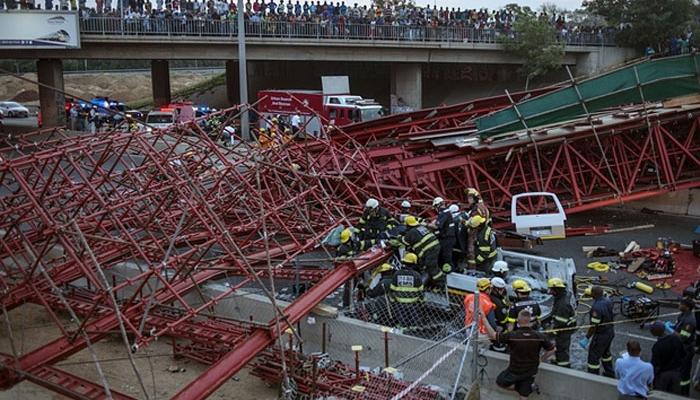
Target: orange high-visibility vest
point(485, 304)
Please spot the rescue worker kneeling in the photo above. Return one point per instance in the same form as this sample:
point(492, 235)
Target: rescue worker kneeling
point(423, 243)
point(380, 280)
point(563, 321)
point(350, 245)
point(483, 285)
point(406, 294)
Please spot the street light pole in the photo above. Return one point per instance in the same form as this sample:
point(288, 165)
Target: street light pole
point(242, 74)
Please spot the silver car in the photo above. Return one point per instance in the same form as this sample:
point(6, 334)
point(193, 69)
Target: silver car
point(11, 109)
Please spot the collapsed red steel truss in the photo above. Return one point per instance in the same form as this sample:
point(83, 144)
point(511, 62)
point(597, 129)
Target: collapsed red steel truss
point(187, 211)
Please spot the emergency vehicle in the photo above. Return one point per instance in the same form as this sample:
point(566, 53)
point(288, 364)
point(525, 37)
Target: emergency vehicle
point(331, 106)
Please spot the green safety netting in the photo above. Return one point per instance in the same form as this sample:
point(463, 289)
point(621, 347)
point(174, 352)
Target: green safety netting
point(659, 79)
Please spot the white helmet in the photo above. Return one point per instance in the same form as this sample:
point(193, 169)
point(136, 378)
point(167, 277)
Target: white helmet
point(372, 203)
point(500, 266)
point(498, 283)
point(454, 209)
point(437, 201)
point(405, 204)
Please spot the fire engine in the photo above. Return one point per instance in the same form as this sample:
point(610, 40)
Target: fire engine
point(317, 108)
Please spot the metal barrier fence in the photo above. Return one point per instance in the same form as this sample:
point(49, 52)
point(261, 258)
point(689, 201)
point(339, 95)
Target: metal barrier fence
point(312, 30)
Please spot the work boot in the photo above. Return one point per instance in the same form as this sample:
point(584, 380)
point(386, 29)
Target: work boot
point(535, 388)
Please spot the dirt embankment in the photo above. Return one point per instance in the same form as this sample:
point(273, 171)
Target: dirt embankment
point(123, 86)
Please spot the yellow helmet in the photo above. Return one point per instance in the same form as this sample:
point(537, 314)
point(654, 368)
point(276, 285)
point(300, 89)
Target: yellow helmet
point(411, 221)
point(476, 221)
point(555, 283)
point(345, 235)
point(483, 284)
point(472, 192)
point(410, 258)
point(385, 267)
point(521, 286)
point(262, 129)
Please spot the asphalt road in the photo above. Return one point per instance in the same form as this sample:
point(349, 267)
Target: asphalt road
point(680, 229)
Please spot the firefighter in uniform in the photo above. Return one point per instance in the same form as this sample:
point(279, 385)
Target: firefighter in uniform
point(685, 328)
point(375, 221)
point(477, 218)
point(420, 241)
point(350, 245)
point(380, 280)
point(600, 335)
point(499, 298)
point(563, 321)
point(406, 296)
point(445, 232)
point(500, 269)
point(523, 302)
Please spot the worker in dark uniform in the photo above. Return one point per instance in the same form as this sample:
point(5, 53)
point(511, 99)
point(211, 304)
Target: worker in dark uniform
point(563, 320)
point(406, 296)
point(666, 358)
point(380, 280)
point(499, 298)
point(420, 241)
point(523, 302)
point(446, 234)
point(600, 335)
point(375, 221)
point(685, 329)
point(350, 245)
point(525, 345)
point(500, 269)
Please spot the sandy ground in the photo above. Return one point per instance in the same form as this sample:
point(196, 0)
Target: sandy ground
point(124, 86)
point(31, 326)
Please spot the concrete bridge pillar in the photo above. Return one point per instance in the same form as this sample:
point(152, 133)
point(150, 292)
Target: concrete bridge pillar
point(406, 87)
point(160, 82)
point(233, 92)
point(51, 97)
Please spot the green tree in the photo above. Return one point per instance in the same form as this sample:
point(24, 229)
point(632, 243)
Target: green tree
point(537, 44)
point(646, 22)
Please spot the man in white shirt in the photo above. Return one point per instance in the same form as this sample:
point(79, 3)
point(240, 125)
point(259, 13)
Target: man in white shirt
point(635, 376)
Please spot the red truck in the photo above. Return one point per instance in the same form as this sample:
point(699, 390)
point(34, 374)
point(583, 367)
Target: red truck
point(308, 105)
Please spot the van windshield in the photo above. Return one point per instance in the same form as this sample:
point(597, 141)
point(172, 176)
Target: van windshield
point(369, 114)
point(160, 119)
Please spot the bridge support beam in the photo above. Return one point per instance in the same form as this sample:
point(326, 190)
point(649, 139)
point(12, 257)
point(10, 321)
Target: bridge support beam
point(160, 82)
point(51, 97)
point(232, 82)
point(406, 87)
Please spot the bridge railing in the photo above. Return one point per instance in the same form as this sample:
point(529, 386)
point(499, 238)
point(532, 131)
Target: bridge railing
point(313, 30)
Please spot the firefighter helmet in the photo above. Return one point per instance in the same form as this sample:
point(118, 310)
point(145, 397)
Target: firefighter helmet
point(410, 258)
point(555, 283)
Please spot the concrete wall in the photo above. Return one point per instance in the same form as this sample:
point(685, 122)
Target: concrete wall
point(606, 57)
point(342, 333)
point(682, 202)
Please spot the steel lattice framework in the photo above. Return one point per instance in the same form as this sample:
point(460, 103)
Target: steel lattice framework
point(186, 211)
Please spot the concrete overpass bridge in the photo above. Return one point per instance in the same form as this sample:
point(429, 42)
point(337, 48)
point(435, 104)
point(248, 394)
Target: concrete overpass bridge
point(404, 51)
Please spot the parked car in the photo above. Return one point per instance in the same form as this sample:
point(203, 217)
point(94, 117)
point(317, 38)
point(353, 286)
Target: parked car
point(12, 109)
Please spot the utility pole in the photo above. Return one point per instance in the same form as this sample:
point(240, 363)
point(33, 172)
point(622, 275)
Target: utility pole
point(242, 74)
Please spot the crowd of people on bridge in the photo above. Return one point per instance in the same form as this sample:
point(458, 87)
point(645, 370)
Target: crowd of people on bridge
point(320, 12)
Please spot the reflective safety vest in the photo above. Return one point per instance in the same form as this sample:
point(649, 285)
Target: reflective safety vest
point(353, 247)
point(485, 304)
point(485, 244)
point(406, 287)
point(420, 240)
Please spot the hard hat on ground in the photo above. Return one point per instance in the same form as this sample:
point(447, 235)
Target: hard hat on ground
point(437, 201)
point(385, 267)
point(410, 258)
point(472, 192)
point(500, 266)
point(372, 203)
point(411, 221)
point(498, 283)
point(555, 283)
point(483, 284)
point(405, 204)
point(345, 235)
point(521, 286)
